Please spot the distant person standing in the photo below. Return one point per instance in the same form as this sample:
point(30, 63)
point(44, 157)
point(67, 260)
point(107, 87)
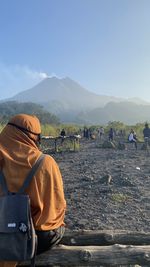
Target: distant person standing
point(62, 134)
point(84, 132)
point(146, 131)
point(101, 132)
point(87, 134)
point(111, 135)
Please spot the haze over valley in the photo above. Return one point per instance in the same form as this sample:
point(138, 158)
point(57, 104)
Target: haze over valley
point(72, 103)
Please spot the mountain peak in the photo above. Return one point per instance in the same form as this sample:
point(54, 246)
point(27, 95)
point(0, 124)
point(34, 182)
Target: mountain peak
point(66, 98)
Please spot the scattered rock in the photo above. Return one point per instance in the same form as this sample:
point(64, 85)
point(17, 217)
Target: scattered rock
point(108, 144)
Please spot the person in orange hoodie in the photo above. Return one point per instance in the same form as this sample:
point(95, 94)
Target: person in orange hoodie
point(19, 150)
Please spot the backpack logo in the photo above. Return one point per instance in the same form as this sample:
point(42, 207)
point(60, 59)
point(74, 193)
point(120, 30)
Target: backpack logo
point(23, 227)
point(13, 225)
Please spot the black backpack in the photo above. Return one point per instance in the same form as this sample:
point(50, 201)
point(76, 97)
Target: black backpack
point(18, 240)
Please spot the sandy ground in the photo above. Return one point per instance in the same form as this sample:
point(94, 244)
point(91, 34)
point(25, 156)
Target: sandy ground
point(106, 188)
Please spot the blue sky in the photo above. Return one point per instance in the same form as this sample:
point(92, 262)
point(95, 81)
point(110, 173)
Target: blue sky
point(102, 44)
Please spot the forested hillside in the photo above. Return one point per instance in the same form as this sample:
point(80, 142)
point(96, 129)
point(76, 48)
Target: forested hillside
point(10, 108)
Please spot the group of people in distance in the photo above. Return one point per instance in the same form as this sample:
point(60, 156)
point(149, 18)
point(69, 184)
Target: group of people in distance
point(132, 137)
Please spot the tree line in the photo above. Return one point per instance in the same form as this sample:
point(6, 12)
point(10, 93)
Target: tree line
point(51, 124)
point(11, 108)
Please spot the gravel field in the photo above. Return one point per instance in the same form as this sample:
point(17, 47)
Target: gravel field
point(106, 188)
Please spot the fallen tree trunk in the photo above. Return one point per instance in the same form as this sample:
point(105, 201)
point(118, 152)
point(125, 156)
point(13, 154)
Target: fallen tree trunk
point(98, 248)
point(95, 256)
point(105, 237)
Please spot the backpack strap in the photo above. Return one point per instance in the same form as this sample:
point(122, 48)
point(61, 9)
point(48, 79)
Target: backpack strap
point(31, 174)
point(3, 184)
point(27, 180)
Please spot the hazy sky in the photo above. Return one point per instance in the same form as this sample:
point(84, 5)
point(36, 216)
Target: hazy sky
point(102, 44)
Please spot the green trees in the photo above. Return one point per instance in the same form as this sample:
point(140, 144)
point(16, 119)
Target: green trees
point(10, 108)
point(51, 123)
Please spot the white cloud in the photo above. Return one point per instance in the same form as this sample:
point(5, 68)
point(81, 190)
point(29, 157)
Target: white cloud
point(35, 74)
point(16, 78)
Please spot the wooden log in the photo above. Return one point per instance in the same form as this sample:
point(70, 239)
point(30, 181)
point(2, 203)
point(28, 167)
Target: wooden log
point(105, 237)
point(95, 256)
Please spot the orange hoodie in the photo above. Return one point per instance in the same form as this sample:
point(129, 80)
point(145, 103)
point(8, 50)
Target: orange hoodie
point(18, 153)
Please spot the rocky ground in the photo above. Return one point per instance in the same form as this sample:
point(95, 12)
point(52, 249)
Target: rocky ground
point(106, 188)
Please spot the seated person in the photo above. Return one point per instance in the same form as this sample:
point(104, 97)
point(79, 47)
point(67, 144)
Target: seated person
point(19, 150)
point(132, 138)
